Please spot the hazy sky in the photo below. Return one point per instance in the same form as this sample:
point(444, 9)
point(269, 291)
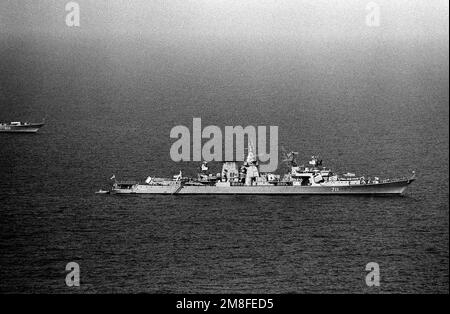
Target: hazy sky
point(426, 19)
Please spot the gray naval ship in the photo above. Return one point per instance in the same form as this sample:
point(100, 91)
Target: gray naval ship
point(20, 127)
point(247, 179)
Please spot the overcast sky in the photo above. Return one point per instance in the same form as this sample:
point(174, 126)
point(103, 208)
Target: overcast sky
point(427, 19)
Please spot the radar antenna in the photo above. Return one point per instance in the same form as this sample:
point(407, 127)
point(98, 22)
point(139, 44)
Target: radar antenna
point(288, 157)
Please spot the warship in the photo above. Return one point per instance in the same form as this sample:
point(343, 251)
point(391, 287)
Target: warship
point(312, 178)
point(20, 127)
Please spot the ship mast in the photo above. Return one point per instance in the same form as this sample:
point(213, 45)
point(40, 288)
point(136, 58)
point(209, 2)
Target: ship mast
point(251, 165)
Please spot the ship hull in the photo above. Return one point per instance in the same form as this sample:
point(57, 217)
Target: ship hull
point(397, 187)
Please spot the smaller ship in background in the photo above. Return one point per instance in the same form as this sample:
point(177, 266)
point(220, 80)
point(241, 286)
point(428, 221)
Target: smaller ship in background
point(20, 127)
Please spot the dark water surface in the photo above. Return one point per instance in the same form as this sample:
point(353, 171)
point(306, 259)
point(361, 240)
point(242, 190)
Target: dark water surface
point(109, 107)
